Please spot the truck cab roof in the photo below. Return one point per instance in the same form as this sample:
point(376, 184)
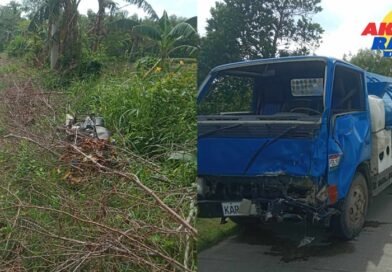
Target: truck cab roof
point(255, 62)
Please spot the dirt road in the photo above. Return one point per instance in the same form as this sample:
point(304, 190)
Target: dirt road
point(275, 247)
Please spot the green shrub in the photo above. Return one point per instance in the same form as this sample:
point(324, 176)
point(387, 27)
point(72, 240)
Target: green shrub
point(89, 68)
point(18, 47)
point(153, 115)
point(144, 64)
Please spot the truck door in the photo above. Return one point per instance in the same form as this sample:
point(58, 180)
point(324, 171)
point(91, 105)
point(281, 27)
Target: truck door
point(350, 127)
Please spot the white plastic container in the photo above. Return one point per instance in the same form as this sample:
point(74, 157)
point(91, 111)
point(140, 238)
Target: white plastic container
point(377, 113)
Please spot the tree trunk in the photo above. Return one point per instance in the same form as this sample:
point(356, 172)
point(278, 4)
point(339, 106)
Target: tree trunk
point(55, 44)
point(70, 40)
point(281, 12)
point(135, 44)
point(98, 25)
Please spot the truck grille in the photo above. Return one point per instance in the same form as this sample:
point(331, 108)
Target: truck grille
point(268, 187)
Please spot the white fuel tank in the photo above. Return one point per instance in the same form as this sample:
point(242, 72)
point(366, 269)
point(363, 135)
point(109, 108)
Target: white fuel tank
point(377, 113)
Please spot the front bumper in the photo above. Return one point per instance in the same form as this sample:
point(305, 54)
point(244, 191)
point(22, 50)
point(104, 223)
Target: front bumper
point(266, 209)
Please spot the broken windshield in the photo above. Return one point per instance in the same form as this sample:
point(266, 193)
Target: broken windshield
point(277, 90)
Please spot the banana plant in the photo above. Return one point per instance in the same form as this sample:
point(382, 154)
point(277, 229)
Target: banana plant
point(61, 17)
point(170, 39)
point(113, 5)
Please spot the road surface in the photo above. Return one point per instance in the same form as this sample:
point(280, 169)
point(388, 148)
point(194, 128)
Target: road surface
point(275, 247)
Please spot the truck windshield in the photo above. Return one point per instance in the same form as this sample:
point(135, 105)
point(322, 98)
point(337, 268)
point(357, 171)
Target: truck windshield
point(280, 90)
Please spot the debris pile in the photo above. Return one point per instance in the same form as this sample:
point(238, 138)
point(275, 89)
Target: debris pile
point(93, 140)
point(92, 126)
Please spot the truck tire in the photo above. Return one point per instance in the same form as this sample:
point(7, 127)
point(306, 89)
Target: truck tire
point(350, 221)
point(246, 221)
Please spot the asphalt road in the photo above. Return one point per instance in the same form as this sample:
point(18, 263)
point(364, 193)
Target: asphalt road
point(275, 247)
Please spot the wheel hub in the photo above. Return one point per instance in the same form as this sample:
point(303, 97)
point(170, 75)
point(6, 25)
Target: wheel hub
point(357, 206)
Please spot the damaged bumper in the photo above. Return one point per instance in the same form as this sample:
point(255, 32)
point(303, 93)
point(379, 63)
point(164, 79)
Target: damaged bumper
point(278, 197)
point(266, 209)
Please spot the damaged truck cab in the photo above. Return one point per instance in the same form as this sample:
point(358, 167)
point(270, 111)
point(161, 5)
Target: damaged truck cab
point(302, 137)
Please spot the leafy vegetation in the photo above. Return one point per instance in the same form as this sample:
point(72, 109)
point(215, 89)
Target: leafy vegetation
point(142, 111)
point(10, 17)
point(54, 34)
point(241, 29)
point(372, 61)
point(168, 38)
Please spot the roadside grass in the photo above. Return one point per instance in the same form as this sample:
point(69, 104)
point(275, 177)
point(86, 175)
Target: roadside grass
point(211, 232)
point(2, 86)
point(151, 116)
point(49, 222)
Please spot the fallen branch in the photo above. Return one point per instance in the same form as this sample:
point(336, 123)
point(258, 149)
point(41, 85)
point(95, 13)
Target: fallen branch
point(131, 177)
point(32, 141)
point(191, 216)
point(136, 180)
point(108, 228)
point(14, 221)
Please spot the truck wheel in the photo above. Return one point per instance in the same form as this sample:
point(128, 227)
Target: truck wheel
point(350, 221)
point(246, 221)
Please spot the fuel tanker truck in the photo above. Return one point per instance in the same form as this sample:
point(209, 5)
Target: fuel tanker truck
point(307, 138)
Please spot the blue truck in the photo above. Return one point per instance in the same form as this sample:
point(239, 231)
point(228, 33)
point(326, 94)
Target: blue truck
point(305, 138)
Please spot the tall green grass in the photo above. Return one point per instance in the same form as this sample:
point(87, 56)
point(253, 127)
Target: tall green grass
point(153, 117)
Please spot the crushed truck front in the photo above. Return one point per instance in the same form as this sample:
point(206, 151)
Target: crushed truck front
point(263, 140)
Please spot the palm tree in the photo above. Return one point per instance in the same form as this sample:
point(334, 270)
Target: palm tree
point(146, 7)
point(170, 39)
point(112, 5)
point(62, 17)
point(10, 16)
point(102, 5)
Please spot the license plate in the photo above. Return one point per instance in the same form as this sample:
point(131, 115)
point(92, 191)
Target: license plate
point(231, 208)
